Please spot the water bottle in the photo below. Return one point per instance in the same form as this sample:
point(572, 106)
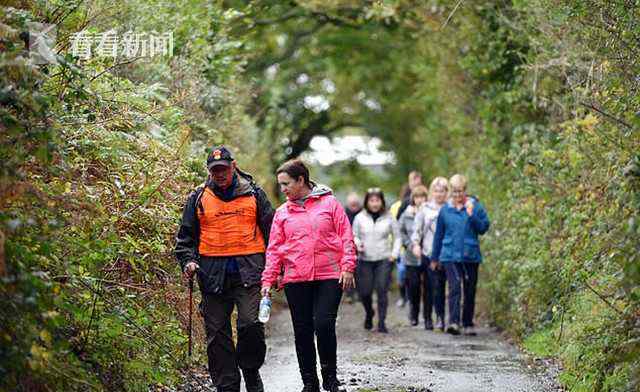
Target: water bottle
point(265, 310)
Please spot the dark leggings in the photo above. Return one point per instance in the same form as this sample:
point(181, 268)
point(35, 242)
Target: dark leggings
point(372, 275)
point(314, 308)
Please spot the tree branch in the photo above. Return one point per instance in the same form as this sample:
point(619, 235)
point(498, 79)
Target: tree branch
point(292, 14)
point(451, 14)
point(290, 51)
point(113, 67)
point(333, 20)
point(607, 115)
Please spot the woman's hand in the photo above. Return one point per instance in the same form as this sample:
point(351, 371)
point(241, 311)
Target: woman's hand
point(469, 206)
point(434, 265)
point(417, 250)
point(279, 284)
point(265, 291)
point(346, 280)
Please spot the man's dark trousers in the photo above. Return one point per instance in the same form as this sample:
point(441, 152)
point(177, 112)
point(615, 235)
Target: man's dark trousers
point(224, 357)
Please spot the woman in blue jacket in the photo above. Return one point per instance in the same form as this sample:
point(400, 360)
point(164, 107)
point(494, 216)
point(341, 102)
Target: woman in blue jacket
point(456, 247)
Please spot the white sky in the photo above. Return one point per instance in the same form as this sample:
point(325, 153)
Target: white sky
point(365, 149)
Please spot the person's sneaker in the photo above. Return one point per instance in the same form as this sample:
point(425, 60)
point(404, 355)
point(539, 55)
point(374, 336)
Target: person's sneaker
point(413, 321)
point(469, 331)
point(382, 328)
point(332, 385)
point(428, 325)
point(440, 324)
point(401, 302)
point(310, 382)
point(368, 321)
point(310, 387)
point(453, 329)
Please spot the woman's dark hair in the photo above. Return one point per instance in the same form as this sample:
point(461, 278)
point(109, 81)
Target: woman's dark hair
point(374, 192)
point(295, 168)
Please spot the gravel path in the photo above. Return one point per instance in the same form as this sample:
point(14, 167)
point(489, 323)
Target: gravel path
point(407, 359)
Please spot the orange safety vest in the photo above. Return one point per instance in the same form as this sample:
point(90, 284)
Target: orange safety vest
point(229, 228)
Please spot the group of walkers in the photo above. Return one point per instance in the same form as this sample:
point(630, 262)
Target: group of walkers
point(438, 228)
point(240, 249)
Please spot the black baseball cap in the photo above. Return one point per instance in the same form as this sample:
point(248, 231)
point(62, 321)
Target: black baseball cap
point(219, 155)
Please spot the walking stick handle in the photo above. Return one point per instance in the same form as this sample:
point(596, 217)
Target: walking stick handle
point(190, 311)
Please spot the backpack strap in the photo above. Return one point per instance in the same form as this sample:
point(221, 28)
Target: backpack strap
point(199, 192)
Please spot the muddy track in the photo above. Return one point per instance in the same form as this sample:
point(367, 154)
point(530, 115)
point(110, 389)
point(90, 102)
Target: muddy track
point(407, 359)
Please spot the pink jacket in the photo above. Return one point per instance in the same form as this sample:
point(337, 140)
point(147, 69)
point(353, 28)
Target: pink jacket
point(312, 241)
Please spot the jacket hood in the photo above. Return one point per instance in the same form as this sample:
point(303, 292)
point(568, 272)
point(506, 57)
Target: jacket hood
point(245, 182)
point(319, 190)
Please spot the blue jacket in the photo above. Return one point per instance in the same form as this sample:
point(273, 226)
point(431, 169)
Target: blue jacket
point(456, 237)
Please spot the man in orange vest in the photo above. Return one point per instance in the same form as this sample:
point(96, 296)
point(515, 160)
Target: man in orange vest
point(222, 239)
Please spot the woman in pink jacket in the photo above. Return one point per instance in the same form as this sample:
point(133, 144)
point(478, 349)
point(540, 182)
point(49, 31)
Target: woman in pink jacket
point(311, 239)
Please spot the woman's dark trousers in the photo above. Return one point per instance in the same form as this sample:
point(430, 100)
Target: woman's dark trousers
point(429, 286)
point(314, 308)
point(465, 275)
point(370, 276)
point(418, 289)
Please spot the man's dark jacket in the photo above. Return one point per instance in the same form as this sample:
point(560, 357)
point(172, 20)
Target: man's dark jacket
point(211, 273)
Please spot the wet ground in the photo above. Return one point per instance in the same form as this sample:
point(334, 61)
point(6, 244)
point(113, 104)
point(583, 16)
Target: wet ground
point(407, 359)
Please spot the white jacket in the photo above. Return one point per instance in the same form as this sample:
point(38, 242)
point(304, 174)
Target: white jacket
point(424, 226)
point(380, 239)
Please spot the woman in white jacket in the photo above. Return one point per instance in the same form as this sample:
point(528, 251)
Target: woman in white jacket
point(422, 238)
point(377, 237)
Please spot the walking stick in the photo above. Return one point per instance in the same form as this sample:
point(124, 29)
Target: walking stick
point(190, 310)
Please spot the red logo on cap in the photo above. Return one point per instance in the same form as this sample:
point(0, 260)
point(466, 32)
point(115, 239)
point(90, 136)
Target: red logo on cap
point(217, 154)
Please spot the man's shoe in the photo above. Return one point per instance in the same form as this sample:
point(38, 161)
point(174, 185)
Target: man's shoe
point(428, 325)
point(252, 381)
point(453, 329)
point(469, 331)
point(368, 321)
point(440, 324)
point(382, 328)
